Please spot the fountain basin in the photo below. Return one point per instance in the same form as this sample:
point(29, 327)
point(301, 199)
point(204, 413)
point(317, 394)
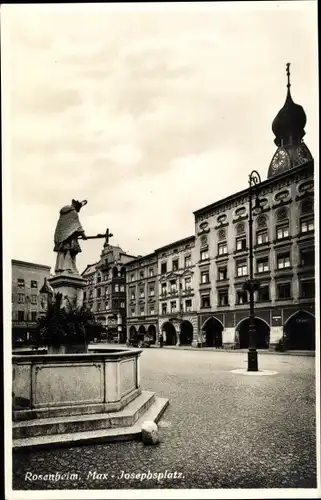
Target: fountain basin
point(54, 385)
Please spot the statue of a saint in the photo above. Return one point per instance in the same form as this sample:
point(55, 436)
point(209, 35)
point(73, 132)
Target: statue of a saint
point(68, 230)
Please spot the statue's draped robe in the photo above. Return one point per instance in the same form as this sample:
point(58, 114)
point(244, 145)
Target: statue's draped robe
point(66, 240)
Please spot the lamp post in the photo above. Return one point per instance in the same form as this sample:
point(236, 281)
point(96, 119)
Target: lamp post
point(47, 290)
point(252, 285)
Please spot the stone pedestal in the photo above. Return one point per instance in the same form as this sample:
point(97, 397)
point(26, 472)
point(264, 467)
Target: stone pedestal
point(70, 285)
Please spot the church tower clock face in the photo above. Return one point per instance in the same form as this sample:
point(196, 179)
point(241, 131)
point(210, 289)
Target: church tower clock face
point(280, 161)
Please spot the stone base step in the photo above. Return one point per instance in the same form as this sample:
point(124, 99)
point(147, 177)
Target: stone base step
point(153, 413)
point(83, 423)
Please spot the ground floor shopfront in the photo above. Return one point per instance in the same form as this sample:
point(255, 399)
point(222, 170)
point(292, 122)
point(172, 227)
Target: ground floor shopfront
point(293, 325)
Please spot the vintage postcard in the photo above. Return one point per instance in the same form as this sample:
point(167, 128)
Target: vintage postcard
point(161, 250)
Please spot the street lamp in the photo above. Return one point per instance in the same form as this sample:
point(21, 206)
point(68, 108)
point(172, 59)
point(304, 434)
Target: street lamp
point(252, 285)
point(46, 290)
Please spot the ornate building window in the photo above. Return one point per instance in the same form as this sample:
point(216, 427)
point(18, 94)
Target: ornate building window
point(187, 283)
point(21, 315)
point(151, 271)
point(34, 284)
point(241, 297)
point(223, 298)
point(205, 277)
point(307, 288)
point(282, 227)
point(151, 291)
point(307, 257)
point(188, 305)
point(132, 294)
point(241, 243)
point(142, 311)
point(188, 261)
point(141, 293)
point(173, 306)
point(163, 289)
point(307, 226)
point(204, 254)
point(164, 308)
point(241, 268)
point(262, 265)
point(163, 267)
point(283, 260)
point(262, 237)
point(205, 301)
point(263, 294)
point(283, 291)
point(282, 231)
point(21, 298)
point(221, 234)
point(222, 248)
point(21, 283)
point(307, 216)
point(222, 273)
point(175, 265)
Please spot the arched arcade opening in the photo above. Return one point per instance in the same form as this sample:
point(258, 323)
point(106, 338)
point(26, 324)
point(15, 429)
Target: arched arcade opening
point(186, 333)
point(169, 334)
point(152, 333)
point(132, 333)
point(141, 333)
point(213, 329)
point(299, 331)
point(262, 333)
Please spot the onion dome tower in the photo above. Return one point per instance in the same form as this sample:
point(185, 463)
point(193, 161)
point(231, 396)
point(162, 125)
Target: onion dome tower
point(288, 128)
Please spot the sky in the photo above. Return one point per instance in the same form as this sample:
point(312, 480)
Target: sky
point(147, 111)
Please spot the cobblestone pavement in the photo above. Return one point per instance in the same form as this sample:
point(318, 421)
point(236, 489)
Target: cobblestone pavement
point(221, 430)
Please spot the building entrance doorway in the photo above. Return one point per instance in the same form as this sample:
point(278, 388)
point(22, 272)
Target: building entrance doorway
point(299, 331)
point(262, 333)
point(213, 329)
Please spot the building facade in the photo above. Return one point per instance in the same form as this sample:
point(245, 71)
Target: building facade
point(142, 298)
point(105, 294)
point(26, 300)
point(199, 296)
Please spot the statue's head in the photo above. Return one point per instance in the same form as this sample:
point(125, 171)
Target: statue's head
point(78, 204)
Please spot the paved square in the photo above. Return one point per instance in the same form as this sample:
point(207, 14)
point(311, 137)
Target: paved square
point(221, 429)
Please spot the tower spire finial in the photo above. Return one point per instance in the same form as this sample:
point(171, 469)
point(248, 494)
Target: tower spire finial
point(288, 74)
